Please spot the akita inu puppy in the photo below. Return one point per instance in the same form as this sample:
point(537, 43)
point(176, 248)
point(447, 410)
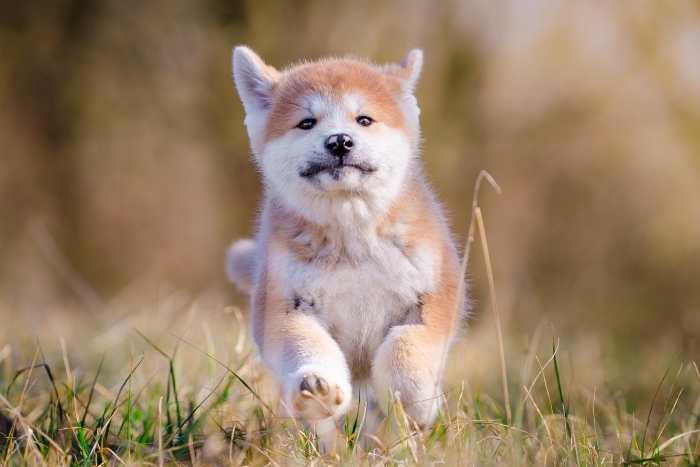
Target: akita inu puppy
point(353, 274)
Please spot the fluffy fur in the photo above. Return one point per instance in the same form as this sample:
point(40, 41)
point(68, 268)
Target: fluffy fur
point(353, 275)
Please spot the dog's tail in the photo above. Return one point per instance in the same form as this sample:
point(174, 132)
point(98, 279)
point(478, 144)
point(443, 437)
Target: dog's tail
point(240, 263)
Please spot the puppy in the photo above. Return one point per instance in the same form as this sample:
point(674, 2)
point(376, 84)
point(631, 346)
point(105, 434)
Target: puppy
point(353, 275)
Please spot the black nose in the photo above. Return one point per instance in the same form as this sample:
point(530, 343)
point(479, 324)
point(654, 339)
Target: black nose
point(339, 144)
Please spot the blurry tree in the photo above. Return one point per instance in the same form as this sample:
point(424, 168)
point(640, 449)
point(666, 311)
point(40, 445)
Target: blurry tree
point(123, 157)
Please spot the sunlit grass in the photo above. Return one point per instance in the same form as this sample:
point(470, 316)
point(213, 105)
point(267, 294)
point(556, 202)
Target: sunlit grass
point(177, 382)
point(177, 408)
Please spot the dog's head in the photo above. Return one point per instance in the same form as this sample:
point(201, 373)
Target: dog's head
point(333, 131)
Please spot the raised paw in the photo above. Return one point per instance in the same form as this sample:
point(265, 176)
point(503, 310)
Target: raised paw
point(316, 399)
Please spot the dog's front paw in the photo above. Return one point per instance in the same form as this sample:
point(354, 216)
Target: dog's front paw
point(316, 398)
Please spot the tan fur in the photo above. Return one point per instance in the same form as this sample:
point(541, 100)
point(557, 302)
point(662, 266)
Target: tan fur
point(306, 341)
point(334, 78)
point(440, 311)
point(440, 307)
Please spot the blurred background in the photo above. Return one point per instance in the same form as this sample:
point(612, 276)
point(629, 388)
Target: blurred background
point(125, 168)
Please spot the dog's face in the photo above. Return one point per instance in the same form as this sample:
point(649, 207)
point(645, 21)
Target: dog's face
point(330, 131)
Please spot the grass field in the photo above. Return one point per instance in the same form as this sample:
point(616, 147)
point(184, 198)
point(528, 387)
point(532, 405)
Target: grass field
point(125, 171)
point(173, 379)
point(178, 383)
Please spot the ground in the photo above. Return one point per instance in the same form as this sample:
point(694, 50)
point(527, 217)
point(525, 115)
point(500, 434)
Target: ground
point(176, 380)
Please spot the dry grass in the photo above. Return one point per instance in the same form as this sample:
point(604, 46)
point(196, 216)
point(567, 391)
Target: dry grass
point(177, 382)
point(125, 172)
point(190, 391)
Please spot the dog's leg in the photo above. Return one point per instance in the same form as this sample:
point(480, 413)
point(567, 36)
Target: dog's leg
point(411, 359)
point(309, 364)
point(409, 363)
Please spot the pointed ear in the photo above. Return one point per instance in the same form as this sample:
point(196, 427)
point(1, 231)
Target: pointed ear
point(412, 64)
point(254, 80)
point(408, 71)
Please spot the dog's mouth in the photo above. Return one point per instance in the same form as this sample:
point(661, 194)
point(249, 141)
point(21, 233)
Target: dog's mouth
point(335, 169)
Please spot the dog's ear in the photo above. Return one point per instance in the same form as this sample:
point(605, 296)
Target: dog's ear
point(254, 80)
point(412, 65)
point(408, 71)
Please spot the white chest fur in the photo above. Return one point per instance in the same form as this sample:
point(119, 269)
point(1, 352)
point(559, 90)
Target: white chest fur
point(377, 285)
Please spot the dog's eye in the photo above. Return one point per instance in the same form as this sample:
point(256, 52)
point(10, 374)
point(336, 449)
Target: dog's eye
point(364, 120)
point(307, 124)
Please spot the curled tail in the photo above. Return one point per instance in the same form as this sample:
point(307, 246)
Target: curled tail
point(240, 263)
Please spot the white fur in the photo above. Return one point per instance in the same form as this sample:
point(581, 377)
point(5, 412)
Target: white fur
point(423, 387)
point(254, 81)
point(331, 366)
point(413, 64)
point(360, 297)
point(356, 197)
point(241, 263)
point(359, 300)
